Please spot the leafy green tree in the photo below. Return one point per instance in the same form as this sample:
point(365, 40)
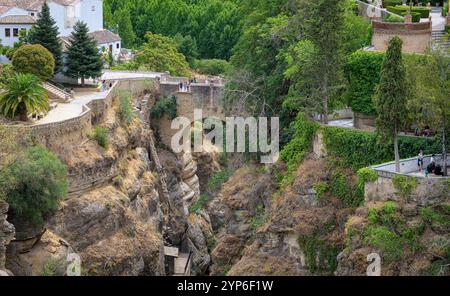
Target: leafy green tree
point(83, 57)
point(187, 46)
point(125, 28)
point(392, 95)
point(322, 23)
point(34, 59)
point(36, 181)
point(23, 94)
point(160, 53)
point(45, 32)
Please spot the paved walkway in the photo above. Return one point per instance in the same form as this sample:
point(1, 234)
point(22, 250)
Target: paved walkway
point(123, 75)
point(347, 123)
point(437, 19)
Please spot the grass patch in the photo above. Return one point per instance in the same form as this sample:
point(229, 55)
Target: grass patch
point(202, 200)
point(101, 136)
point(218, 179)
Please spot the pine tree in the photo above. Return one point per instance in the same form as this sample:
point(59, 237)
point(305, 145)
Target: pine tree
point(126, 28)
point(45, 32)
point(392, 95)
point(83, 57)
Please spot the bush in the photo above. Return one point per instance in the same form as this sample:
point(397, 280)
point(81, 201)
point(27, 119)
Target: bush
point(404, 185)
point(393, 18)
point(386, 241)
point(320, 257)
point(387, 3)
point(300, 145)
point(199, 204)
point(100, 135)
point(166, 105)
point(211, 67)
point(126, 110)
point(358, 149)
point(218, 179)
point(35, 182)
point(362, 70)
point(34, 59)
point(417, 12)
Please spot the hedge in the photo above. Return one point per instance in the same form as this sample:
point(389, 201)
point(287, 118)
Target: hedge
point(402, 10)
point(358, 149)
point(387, 3)
point(353, 148)
point(362, 70)
point(363, 74)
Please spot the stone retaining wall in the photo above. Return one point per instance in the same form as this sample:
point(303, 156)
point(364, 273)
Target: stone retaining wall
point(416, 36)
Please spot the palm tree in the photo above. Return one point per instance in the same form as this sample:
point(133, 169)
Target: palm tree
point(23, 94)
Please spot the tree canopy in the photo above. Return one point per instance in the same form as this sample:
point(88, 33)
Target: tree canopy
point(34, 59)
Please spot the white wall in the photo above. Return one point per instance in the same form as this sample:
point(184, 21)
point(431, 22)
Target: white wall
point(94, 19)
point(9, 41)
point(115, 51)
point(82, 11)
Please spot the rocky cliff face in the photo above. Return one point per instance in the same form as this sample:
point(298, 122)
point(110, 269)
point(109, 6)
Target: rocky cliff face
point(265, 230)
point(6, 236)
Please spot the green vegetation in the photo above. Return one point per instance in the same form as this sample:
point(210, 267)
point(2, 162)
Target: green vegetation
point(363, 74)
point(199, 204)
point(125, 108)
point(321, 189)
point(404, 185)
point(211, 67)
point(259, 219)
point(166, 105)
point(388, 232)
point(101, 135)
point(34, 59)
point(23, 94)
point(314, 248)
point(159, 54)
point(45, 32)
point(35, 182)
point(392, 95)
point(54, 267)
point(300, 145)
point(214, 25)
point(358, 149)
point(421, 12)
point(438, 214)
point(217, 179)
point(83, 59)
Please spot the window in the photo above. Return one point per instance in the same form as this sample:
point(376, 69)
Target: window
point(8, 32)
point(117, 45)
point(93, 8)
point(16, 32)
point(110, 48)
point(32, 14)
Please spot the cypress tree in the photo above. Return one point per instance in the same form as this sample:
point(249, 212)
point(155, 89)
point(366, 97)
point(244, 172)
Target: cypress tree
point(392, 95)
point(45, 32)
point(83, 58)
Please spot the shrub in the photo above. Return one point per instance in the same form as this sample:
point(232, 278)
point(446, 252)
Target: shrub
point(54, 267)
point(404, 185)
point(439, 215)
point(34, 59)
point(259, 219)
point(35, 182)
point(362, 70)
point(393, 18)
point(125, 108)
point(211, 67)
point(100, 135)
point(365, 175)
point(319, 255)
point(340, 188)
point(357, 149)
point(420, 12)
point(387, 3)
point(386, 241)
point(167, 105)
point(300, 145)
point(199, 204)
point(218, 179)
point(321, 189)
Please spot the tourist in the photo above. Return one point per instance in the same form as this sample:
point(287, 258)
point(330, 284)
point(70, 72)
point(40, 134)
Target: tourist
point(420, 160)
point(433, 161)
point(104, 85)
point(180, 86)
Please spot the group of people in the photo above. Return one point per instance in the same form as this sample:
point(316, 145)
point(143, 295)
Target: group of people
point(432, 168)
point(106, 86)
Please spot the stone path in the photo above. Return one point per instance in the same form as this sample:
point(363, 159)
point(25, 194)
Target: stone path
point(123, 75)
point(437, 19)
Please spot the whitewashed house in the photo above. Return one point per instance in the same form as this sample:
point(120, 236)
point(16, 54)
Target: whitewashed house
point(16, 15)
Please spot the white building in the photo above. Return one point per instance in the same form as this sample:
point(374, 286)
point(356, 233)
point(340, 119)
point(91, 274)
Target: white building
point(16, 15)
